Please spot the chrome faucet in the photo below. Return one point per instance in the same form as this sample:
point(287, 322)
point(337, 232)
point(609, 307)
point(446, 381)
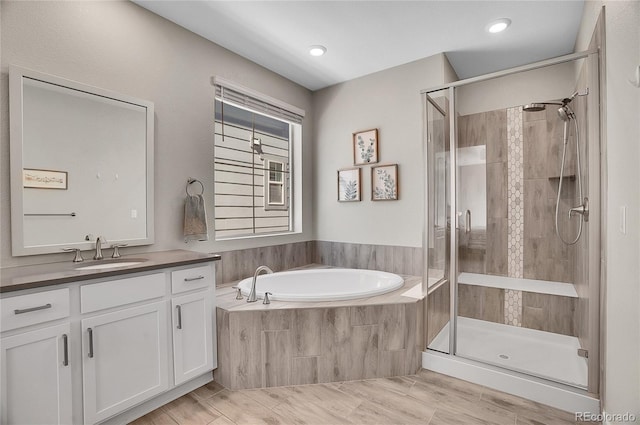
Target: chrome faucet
point(99, 242)
point(252, 295)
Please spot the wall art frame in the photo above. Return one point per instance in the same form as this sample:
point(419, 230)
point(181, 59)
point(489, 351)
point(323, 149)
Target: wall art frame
point(349, 185)
point(365, 147)
point(384, 182)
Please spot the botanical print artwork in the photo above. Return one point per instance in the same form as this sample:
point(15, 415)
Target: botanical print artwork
point(349, 185)
point(384, 182)
point(365, 147)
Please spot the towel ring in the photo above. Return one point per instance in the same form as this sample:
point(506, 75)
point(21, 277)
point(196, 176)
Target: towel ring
point(190, 181)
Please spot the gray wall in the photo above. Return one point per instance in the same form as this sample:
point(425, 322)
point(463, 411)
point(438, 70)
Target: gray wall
point(387, 100)
point(122, 47)
point(621, 323)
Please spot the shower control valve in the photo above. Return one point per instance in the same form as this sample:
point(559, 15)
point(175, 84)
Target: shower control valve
point(583, 210)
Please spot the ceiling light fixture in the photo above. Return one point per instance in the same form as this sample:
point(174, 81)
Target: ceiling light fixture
point(499, 25)
point(317, 50)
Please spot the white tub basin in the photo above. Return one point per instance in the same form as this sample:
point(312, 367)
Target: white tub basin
point(323, 284)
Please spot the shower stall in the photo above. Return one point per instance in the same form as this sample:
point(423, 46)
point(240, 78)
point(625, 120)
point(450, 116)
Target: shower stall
point(512, 230)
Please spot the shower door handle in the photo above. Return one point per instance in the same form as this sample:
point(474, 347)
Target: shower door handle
point(467, 221)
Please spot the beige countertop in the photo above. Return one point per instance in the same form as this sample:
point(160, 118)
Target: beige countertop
point(27, 277)
point(226, 298)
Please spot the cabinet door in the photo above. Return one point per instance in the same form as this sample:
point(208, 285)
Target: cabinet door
point(36, 377)
point(124, 359)
point(192, 335)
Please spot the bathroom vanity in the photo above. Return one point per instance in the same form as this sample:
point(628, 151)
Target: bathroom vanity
point(105, 344)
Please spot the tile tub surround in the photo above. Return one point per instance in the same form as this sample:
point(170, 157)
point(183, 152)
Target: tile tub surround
point(287, 343)
point(240, 264)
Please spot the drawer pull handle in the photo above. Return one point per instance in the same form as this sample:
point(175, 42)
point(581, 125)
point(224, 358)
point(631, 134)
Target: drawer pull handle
point(90, 342)
point(179, 308)
point(65, 346)
point(29, 310)
point(191, 279)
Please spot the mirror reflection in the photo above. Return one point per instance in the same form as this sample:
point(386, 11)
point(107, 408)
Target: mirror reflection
point(80, 166)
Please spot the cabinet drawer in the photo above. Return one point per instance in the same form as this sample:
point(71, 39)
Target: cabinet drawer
point(114, 293)
point(40, 307)
point(192, 278)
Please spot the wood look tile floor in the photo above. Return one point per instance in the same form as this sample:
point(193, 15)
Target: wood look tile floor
point(426, 398)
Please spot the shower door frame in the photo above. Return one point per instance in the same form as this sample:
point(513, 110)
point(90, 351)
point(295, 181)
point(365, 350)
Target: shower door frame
point(594, 166)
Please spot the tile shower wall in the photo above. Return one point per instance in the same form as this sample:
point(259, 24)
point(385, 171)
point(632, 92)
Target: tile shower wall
point(523, 159)
point(546, 257)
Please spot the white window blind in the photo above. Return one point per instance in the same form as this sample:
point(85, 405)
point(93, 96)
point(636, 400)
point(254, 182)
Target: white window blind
point(252, 197)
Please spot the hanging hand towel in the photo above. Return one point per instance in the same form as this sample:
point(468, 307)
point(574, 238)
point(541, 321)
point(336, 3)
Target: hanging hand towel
point(195, 219)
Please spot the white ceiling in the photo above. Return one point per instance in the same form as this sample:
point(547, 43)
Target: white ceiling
point(364, 36)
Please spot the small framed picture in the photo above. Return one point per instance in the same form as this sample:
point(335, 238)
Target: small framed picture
point(384, 183)
point(44, 179)
point(365, 147)
point(349, 185)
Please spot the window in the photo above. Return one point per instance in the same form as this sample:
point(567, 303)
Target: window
point(256, 156)
point(275, 184)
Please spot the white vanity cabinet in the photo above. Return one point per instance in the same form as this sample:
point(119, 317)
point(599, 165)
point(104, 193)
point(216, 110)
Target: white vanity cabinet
point(36, 377)
point(109, 350)
point(36, 374)
point(192, 323)
point(124, 359)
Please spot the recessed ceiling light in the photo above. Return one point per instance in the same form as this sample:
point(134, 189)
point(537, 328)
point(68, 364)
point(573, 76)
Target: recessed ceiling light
point(317, 50)
point(499, 25)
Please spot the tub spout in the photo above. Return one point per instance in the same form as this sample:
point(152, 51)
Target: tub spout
point(252, 295)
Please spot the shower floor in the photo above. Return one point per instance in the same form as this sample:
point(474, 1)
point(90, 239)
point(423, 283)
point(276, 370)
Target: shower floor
point(543, 354)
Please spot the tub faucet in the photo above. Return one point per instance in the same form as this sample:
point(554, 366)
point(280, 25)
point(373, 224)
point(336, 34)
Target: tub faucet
point(99, 242)
point(252, 295)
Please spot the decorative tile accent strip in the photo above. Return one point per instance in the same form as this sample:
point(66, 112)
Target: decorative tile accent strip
point(513, 307)
point(515, 205)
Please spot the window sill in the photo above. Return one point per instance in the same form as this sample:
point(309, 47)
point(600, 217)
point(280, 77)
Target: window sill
point(260, 236)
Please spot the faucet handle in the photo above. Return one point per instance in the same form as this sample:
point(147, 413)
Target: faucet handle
point(238, 293)
point(266, 298)
point(116, 249)
point(78, 258)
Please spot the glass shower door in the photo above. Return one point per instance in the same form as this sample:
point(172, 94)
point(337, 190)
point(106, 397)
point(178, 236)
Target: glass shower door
point(436, 235)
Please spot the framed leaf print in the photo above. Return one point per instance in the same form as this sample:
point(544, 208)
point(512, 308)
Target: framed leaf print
point(384, 183)
point(349, 185)
point(365, 147)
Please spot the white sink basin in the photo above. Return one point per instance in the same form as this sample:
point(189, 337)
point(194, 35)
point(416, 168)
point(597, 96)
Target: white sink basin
point(111, 264)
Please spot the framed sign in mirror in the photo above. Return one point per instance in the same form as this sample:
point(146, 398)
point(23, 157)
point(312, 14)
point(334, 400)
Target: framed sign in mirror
point(95, 146)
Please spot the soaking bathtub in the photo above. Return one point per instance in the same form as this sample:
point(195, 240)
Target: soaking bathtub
point(323, 284)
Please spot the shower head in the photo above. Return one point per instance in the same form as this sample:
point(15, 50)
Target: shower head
point(565, 113)
point(534, 107)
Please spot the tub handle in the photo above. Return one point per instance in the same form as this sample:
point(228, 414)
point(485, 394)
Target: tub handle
point(266, 298)
point(238, 292)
